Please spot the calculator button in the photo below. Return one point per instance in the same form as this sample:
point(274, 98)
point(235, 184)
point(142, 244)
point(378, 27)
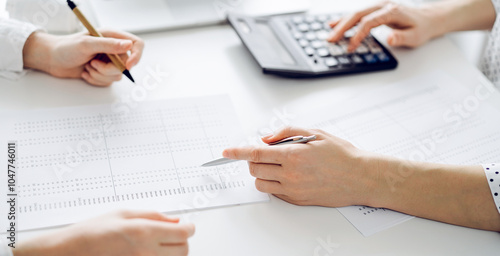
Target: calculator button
point(370, 58)
point(350, 33)
point(322, 18)
point(298, 35)
point(303, 27)
point(356, 59)
point(331, 62)
point(344, 47)
point(335, 50)
point(373, 46)
point(316, 26)
point(327, 26)
point(343, 41)
point(322, 35)
point(297, 19)
point(362, 49)
point(317, 44)
point(310, 36)
point(335, 16)
point(309, 51)
point(303, 43)
point(310, 19)
point(344, 60)
point(344, 44)
point(382, 57)
point(322, 52)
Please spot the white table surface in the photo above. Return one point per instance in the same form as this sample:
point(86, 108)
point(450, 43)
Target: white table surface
point(212, 60)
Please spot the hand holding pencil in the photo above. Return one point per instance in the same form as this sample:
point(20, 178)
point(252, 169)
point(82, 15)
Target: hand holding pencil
point(83, 56)
point(115, 59)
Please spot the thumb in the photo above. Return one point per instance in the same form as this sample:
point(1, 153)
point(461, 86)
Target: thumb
point(402, 38)
point(97, 45)
point(285, 133)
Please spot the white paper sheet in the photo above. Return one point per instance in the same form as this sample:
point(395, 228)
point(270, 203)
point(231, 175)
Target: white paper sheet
point(74, 163)
point(431, 117)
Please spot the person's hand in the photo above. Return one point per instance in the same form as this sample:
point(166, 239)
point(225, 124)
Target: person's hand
point(124, 233)
point(82, 56)
point(328, 171)
point(411, 27)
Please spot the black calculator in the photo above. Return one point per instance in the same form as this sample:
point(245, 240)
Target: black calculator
point(296, 46)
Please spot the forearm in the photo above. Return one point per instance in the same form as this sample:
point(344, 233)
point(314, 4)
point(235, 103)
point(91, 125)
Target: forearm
point(458, 195)
point(41, 246)
point(462, 15)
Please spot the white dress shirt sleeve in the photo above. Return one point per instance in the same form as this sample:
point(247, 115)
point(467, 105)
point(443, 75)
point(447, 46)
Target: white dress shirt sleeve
point(5, 250)
point(492, 172)
point(13, 36)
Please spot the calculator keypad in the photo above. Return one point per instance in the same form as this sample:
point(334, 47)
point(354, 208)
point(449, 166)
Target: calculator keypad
point(311, 32)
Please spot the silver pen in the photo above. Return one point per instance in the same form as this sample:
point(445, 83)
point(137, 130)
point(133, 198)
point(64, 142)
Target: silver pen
point(289, 140)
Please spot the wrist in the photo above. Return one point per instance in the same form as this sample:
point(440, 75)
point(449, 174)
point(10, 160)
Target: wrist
point(452, 16)
point(37, 52)
point(371, 167)
point(46, 245)
point(386, 174)
point(438, 16)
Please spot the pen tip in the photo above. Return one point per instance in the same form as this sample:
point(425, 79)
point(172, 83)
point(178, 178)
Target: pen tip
point(127, 74)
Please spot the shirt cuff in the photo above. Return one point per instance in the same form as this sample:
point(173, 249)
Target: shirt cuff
point(5, 250)
point(492, 172)
point(13, 36)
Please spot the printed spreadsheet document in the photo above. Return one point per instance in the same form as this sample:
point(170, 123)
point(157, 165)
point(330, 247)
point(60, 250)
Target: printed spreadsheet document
point(75, 163)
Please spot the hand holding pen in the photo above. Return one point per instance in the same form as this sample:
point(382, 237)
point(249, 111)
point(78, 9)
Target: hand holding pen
point(324, 171)
point(285, 141)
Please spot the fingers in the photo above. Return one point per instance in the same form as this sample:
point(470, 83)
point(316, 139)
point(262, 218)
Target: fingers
point(255, 154)
point(94, 45)
point(151, 215)
point(350, 21)
point(169, 233)
point(288, 132)
point(266, 186)
point(137, 45)
point(94, 77)
point(124, 57)
point(115, 42)
point(270, 155)
point(382, 16)
point(174, 250)
point(102, 73)
point(86, 75)
point(271, 172)
point(403, 38)
point(157, 227)
point(105, 68)
point(334, 23)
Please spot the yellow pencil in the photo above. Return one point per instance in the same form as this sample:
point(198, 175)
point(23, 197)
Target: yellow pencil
point(93, 32)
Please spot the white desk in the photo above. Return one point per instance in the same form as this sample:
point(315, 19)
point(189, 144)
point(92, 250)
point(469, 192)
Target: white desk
point(212, 60)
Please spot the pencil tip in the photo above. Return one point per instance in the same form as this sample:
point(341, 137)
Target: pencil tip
point(127, 74)
point(71, 4)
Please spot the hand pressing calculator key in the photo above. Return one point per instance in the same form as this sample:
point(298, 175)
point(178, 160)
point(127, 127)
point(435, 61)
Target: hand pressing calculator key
point(296, 46)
